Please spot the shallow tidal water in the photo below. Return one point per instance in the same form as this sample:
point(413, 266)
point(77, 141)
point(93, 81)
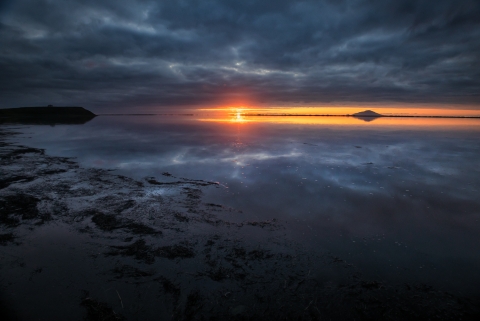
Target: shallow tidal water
point(397, 198)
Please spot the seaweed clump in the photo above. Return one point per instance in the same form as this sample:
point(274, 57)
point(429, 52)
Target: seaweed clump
point(6, 238)
point(146, 253)
point(109, 222)
point(99, 311)
point(19, 205)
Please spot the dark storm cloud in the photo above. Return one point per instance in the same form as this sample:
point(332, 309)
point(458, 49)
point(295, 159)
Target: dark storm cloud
point(164, 53)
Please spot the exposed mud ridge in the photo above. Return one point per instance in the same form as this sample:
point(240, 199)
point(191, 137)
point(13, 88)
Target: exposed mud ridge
point(146, 253)
point(99, 311)
point(6, 238)
point(154, 250)
point(128, 271)
point(20, 207)
point(110, 222)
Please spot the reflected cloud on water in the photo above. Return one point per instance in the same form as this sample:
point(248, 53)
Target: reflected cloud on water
point(334, 186)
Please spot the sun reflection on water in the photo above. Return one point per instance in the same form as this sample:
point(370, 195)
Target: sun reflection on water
point(238, 116)
point(244, 115)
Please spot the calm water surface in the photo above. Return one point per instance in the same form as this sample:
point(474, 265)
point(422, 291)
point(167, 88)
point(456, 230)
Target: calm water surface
point(396, 197)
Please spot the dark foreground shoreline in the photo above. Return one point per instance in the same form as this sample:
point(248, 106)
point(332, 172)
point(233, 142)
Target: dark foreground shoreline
point(79, 243)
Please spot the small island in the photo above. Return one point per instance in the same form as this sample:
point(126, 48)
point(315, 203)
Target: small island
point(46, 115)
point(367, 115)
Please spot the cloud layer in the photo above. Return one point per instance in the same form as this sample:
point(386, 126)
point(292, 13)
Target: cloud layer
point(134, 54)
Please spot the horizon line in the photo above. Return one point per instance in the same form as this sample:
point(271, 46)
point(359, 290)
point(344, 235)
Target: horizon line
point(357, 116)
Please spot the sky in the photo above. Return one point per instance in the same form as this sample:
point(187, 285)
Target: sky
point(125, 55)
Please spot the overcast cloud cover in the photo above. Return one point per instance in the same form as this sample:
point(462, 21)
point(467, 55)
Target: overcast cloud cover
point(123, 53)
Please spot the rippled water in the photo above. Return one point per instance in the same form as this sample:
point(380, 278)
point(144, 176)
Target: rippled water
point(397, 197)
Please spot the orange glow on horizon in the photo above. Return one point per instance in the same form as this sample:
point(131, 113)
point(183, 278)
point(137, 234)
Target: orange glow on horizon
point(300, 116)
point(349, 111)
point(391, 122)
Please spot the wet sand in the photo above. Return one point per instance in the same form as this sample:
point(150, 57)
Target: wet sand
point(79, 243)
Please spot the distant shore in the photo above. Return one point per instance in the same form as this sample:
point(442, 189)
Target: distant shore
point(45, 111)
point(46, 115)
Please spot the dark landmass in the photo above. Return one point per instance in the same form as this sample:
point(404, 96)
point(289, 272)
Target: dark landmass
point(123, 249)
point(367, 115)
point(46, 115)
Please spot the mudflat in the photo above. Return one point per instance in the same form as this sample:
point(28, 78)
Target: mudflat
point(81, 243)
